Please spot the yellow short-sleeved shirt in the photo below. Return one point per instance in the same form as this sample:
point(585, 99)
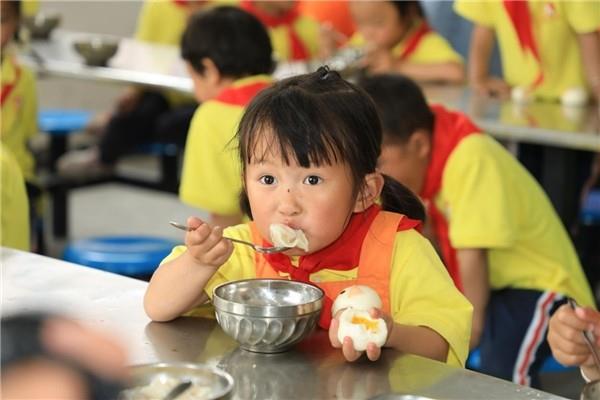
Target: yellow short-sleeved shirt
point(492, 202)
point(555, 28)
point(14, 206)
point(211, 177)
point(308, 31)
point(432, 49)
point(19, 113)
point(421, 291)
point(30, 7)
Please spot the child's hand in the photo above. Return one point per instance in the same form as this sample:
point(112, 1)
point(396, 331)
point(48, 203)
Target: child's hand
point(565, 336)
point(129, 99)
point(379, 61)
point(373, 351)
point(492, 86)
point(206, 245)
point(329, 40)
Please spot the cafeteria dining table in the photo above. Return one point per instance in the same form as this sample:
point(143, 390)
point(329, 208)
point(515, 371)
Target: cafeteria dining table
point(562, 132)
point(312, 370)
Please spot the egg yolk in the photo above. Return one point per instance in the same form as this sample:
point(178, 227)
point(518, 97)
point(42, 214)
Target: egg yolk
point(369, 324)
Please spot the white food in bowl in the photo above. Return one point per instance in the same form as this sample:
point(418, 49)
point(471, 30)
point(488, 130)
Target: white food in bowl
point(361, 328)
point(360, 297)
point(574, 97)
point(520, 95)
point(283, 235)
point(161, 385)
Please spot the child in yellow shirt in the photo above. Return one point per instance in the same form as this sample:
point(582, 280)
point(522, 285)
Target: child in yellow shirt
point(500, 237)
point(396, 38)
point(308, 146)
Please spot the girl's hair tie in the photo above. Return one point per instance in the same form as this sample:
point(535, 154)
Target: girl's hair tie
point(324, 73)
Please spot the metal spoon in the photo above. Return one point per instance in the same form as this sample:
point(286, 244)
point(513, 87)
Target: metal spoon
point(178, 390)
point(260, 249)
point(588, 336)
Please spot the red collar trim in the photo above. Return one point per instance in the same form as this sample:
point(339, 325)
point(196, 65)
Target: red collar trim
point(241, 95)
point(413, 41)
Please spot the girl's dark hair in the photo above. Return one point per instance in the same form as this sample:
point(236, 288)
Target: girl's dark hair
point(407, 10)
point(321, 119)
point(16, 9)
point(236, 41)
point(401, 104)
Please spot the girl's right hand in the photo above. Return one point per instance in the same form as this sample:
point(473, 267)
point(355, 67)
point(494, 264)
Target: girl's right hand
point(565, 336)
point(206, 245)
point(492, 87)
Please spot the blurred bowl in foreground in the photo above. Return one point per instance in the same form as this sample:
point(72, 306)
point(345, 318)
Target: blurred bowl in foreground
point(41, 25)
point(96, 51)
point(267, 315)
point(155, 381)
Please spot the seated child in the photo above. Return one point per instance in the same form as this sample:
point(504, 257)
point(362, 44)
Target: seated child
point(499, 236)
point(229, 57)
point(565, 336)
point(545, 47)
point(14, 218)
point(397, 39)
point(294, 37)
point(141, 114)
point(18, 107)
point(308, 149)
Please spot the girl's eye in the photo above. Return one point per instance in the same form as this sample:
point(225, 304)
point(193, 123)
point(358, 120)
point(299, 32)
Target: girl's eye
point(267, 180)
point(313, 180)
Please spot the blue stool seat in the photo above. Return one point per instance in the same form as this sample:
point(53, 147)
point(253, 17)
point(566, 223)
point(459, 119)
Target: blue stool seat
point(550, 364)
point(63, 121)
point(590, 211)
point(136, 256)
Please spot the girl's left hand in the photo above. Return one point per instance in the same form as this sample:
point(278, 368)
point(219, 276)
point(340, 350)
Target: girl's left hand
point(373, 351)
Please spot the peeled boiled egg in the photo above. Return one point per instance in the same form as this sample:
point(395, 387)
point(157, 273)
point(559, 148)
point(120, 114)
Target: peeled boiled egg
point(283, 235)
point(520, 95)
point(574, 97)
point(360, 297)
point(361, 328)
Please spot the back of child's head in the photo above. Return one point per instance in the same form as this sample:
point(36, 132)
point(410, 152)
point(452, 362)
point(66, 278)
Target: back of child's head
point(320, 119)
point(409, 10)
point(401, 104)
point(236, 42)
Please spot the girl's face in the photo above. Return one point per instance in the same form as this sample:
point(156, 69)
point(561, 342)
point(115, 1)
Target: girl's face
point(9, 21)
point(318, 200)
point(378, 22)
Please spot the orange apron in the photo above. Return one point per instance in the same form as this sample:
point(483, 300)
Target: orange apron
point(373, 268)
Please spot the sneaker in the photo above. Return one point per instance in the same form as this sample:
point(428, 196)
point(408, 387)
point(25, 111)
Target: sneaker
point(82, 165)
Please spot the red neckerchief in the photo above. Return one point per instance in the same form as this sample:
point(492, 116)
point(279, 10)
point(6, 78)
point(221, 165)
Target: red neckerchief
point(412, 42)
point(184, 3)
point(341, 255)
point(298, 50)
point(7, 88)
point(449, 129)
point(518, 13)
point(241, 95)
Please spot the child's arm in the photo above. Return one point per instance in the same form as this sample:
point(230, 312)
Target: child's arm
point(565, 336)
point(418, 340)
point(177, 286)
point(476, 288)
point(589, 43)
point(480, 51)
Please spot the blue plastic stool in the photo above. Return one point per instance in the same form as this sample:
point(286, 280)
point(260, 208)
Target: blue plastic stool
point(135, 256)
point(549, 365)
point(590, 211)
point(59, 124)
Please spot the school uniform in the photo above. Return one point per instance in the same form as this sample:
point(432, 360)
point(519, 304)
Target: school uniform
point(211, 172)
point(422, 45)
point(537, 40)
point(14, 217)
point(480, 197)
point(379, 249)
point(294, 37)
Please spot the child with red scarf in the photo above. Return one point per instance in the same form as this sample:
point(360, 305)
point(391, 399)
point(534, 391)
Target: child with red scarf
point(499, 236)
point(294, 36)
point(229, 57)
point(546, 47)
point(396, 38)
point(309, 147)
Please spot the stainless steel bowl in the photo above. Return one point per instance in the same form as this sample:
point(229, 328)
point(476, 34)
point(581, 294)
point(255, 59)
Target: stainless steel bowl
point(267, 315)
point(96, 51)
point(214, 383)
point(41, 25)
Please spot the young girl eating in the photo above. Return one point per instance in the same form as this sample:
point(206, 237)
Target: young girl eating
point(309, 147)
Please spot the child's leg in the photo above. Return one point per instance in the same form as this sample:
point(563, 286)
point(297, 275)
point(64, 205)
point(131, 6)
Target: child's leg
point(126, 130)
point(173, 126)
point(513, 345)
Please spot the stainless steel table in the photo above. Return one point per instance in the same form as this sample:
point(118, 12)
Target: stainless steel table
point(313, 370)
